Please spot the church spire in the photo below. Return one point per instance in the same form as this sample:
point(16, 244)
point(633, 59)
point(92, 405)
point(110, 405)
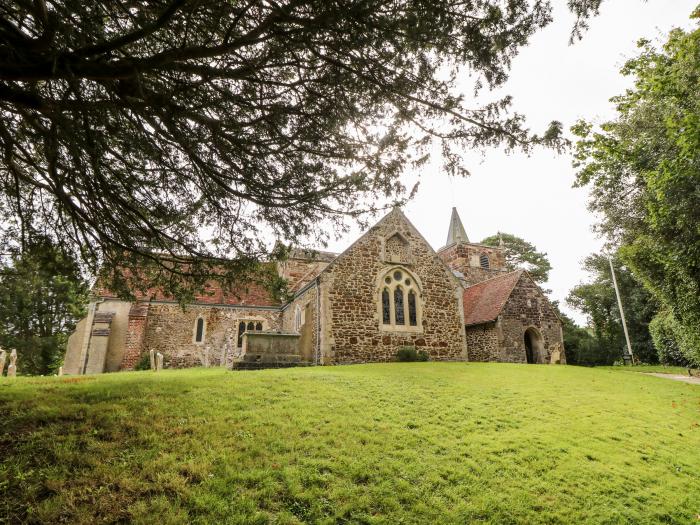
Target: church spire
point(456, 232)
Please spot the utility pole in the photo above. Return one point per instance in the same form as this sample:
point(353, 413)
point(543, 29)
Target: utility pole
point(622, 313)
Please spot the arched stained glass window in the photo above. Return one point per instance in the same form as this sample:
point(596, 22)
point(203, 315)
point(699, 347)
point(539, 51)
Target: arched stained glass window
point(399, 300)
point(199, 331)
point(386, 312)
point(412, 313)
point(398, 306)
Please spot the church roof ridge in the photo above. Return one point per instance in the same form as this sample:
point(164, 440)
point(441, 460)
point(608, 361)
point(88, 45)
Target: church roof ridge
point(484, 301)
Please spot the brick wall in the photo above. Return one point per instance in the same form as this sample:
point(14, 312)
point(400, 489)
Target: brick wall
point(135, 332)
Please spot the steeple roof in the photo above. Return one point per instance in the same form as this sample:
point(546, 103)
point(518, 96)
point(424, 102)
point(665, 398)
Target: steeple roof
point(456, 233)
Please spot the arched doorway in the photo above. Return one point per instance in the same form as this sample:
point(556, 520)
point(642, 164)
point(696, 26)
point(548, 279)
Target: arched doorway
point(533, 343)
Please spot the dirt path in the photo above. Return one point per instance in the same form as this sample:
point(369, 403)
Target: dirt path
point(676, 377)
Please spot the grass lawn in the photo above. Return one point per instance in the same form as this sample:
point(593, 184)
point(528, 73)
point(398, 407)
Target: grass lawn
point(389, 443)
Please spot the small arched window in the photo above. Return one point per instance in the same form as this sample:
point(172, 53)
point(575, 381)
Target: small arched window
point(484, 261)
point(258, 326)
point(241, 331)
point(199, 330)
point(298, 318)
point(399, 300)
point(251, 326)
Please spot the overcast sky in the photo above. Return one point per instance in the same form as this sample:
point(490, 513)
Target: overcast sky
point(532, 197)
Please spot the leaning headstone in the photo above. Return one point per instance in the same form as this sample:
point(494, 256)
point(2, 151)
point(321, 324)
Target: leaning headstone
point(152, 356)
point(3, 357)
point(12, 369)
point(159, 361)
point(228, 350)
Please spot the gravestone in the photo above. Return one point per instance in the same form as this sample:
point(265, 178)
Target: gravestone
point(159, 361)
point(225, 347)
point(206, 356)
point(3, 357)
point(12, 369)
point(152, 355)
point(60, 371)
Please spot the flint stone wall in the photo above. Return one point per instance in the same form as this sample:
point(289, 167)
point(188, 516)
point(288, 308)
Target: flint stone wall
point(483, 342)
point(308, 341)
point(351, 329)
point(528, 307)
point(170, 330)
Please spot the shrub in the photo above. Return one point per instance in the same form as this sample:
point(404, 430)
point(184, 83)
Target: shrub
point(664, 332)
point(407, 353)
point(144, 363)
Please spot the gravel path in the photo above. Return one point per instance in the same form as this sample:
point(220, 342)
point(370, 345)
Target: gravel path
point(676, 377)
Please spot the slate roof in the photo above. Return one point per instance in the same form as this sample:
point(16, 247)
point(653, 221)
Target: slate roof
point(484, 301)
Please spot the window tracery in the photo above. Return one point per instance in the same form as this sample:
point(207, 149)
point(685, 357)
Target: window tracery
point(399, 300)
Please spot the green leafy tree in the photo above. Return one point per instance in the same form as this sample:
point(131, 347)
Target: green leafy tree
point(643, 171)
point(581, 347)
point(522, 254)
point(597, 300)
point(41, 298)
point(181, 130)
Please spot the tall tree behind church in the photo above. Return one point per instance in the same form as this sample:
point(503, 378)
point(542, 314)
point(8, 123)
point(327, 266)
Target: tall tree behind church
point(596, 299)
point(521, 254)
point(643, 170)
point(41, 298)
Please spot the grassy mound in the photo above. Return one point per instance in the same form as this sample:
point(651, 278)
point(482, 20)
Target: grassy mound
point(389, 443)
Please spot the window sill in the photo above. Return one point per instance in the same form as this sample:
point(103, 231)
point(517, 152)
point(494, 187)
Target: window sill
point(401, 329)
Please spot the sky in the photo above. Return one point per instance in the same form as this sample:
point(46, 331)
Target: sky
point(532, 196)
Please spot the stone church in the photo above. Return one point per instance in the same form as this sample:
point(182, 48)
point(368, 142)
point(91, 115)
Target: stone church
point(390, 289)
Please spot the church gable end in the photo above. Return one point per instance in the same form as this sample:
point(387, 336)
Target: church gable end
point(388, 290)
point(528, 314)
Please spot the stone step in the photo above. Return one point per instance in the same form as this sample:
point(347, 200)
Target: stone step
point(271, 358)
point(241, 365)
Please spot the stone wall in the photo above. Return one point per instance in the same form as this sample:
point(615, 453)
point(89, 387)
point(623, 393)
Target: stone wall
point(118, 331)
point(303, 266)
point(308, 341)
point(465, 258)
point(170, 330)
point(483, 342)
point(528, 307)
point(351, 328)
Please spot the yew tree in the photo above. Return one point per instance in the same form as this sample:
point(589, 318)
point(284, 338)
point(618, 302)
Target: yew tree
point(181, 130)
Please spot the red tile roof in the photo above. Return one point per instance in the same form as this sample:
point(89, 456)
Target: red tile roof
point(252, 294)
point(484, 301)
